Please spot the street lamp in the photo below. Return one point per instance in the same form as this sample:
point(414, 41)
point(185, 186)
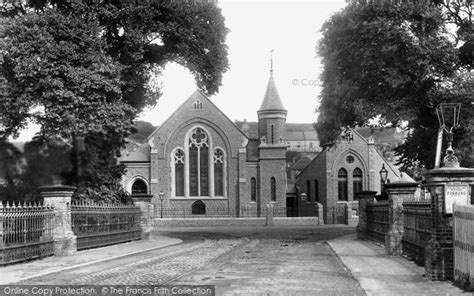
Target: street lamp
point(161, 195)
point(448, 117)
point(383, 177)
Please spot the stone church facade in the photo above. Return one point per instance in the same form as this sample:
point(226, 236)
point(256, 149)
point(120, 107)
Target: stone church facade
point(198, 158)
point(335, 175)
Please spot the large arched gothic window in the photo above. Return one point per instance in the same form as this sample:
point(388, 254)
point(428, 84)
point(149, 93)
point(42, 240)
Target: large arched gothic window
point(357, 181)
point(218, 172)
point(139, 187)
point(342, 185)
point(198, 169)
point(179, 172)
point(273, 189)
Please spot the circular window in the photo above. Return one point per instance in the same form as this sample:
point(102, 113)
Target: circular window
point(350, 159)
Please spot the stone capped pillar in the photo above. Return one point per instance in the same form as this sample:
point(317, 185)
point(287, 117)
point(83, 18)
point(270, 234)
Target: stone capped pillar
point(439, 252)
point(143, 201)
point(320, 213)
point(59, 197)
point(364, 197)
point(397, 193)
point(269, 216)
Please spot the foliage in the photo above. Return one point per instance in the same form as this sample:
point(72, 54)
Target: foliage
point(141, 131)
point(82, 69)
point(11, 166)
point(392, 62)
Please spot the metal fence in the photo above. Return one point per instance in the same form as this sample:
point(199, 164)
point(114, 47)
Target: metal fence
point(417, 228)
point(26, 232)
point(377, 221)
point(218, 212)
point(464, 246)
point(101, 224)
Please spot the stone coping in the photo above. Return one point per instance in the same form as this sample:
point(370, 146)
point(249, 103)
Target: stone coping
point(444, 171)
point(56, 188)
point(400, 184)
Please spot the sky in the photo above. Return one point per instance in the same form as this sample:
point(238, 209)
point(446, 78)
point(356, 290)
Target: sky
point(290, 28)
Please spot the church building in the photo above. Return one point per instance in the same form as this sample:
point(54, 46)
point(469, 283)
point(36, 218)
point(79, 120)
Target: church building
point(198, 161)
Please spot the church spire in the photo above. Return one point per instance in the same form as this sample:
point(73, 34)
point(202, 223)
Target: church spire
point(271, 100)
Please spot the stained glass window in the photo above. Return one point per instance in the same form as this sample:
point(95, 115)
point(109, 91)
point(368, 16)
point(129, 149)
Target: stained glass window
point(342, 185)
point(179, 172)
point(198, 163)
point(357, 180)
point(273, 189)
point(218, 172)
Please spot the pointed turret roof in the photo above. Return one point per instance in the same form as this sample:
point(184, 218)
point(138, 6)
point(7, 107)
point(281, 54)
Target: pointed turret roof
point(271, 100)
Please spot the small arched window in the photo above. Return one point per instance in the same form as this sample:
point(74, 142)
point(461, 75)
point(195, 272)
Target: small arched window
point(253, 189)
point(139, 187)
point(179, 172)
point(273, 189)
point(357, 181)
point(308, 190)
point(342, 185)
point(198, 208)
point(316, 190)
point(272, 134)
point(219, 172)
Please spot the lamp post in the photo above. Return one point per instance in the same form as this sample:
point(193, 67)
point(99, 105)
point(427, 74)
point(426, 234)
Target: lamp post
point(448, 117)
point(161, 195)
point(383, 178)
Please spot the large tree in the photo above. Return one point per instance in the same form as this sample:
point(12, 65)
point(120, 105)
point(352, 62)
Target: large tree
point(82, 69)
point(393, 62)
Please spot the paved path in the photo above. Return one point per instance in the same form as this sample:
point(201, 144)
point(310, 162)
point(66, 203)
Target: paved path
point(380, 274)
point(51, 265)
point(316, 260)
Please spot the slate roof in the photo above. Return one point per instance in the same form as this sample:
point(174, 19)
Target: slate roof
point(303, 162)
point(271, 100)
point(135, 152)
point(293, 131)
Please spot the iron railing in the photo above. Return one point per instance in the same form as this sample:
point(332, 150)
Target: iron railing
point(464, 246)
point(377, 221)
point(102, 224)
point(416, 229)
point(26, 232)
point(219, 211)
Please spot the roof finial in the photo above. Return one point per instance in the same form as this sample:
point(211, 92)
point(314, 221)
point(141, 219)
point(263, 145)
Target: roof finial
point(271, 62)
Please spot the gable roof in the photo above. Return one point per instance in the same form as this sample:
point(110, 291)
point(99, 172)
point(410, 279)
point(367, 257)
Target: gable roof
point(196, 95)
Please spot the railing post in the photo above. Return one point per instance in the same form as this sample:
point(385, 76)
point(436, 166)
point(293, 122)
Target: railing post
point(143, 201)
point(364, 198)
point(397, 193)
point(59, 197)
point(269, 216)
point(446, 186)
point(1, 226)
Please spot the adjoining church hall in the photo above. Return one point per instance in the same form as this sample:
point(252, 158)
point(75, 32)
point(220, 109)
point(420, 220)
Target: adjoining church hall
point(200, 162)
